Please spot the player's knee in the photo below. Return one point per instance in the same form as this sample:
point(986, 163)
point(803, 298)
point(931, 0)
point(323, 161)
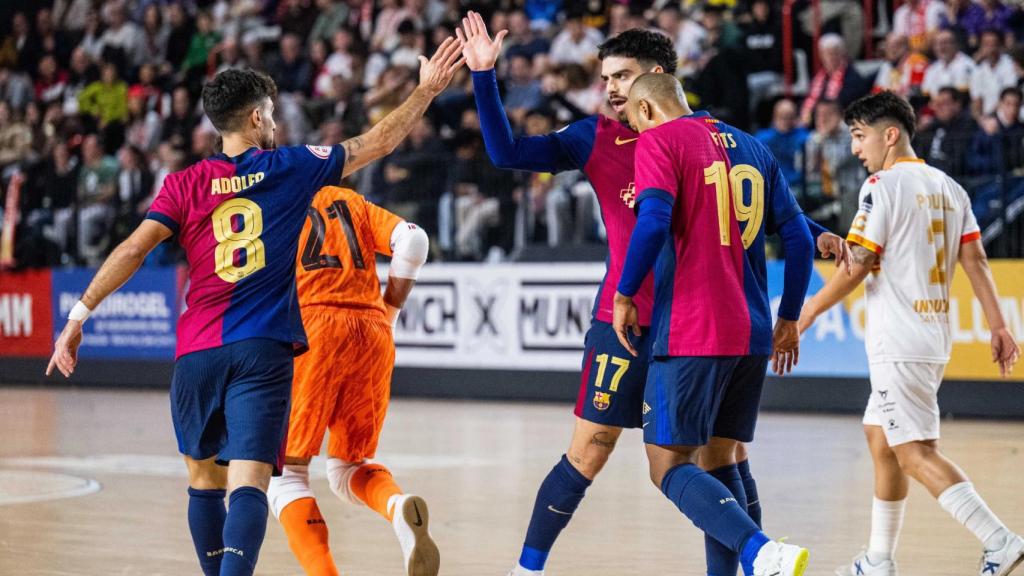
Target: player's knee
point(912, 456)
point(249, 473)
point(339, 473)
point(291, 485)
point(206, 474)
point(591, 461)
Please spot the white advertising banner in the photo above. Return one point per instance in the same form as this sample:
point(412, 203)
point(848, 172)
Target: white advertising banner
point(502, 316)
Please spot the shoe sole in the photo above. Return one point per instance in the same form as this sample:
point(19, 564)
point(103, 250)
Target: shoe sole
point(425, 559)
point(800, 564)
point(1015, 565)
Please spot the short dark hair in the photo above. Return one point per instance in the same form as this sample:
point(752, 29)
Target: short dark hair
point(882, 106)
point(232, 94)
point(1011, 90)
point(647, 46)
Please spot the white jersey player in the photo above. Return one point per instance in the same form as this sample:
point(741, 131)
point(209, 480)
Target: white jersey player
point(914, 225)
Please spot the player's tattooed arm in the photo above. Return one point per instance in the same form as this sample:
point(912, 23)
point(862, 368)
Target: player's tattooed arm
point(386, 135)
point(839, 286)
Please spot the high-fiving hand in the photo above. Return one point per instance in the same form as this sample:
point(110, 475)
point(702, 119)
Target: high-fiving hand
point(478, 49)
point(437, 72)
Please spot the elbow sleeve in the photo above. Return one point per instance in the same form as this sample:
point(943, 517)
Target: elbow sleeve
point(409, 249)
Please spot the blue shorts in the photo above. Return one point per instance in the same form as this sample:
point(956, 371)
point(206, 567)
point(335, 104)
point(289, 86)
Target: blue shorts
point(233, 401)
point(612, 386)
point(694, 398)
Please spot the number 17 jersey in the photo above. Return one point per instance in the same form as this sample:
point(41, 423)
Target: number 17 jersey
point(238, 220)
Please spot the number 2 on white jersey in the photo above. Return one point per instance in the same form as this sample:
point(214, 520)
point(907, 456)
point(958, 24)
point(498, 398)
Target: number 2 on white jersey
point(752, 213)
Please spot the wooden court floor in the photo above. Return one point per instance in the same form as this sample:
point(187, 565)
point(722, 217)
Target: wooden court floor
point(90, 483)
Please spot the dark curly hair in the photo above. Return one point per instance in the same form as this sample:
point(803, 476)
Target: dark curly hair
point(232, 95)
point(650, 48)
point(882, 106)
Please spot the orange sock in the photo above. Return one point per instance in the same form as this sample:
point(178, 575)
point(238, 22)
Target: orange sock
point(374, 485)
point(307, 537)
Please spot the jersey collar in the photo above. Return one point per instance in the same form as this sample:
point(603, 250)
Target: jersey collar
point(234, 160)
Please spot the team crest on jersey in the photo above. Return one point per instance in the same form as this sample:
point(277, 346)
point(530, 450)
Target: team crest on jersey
point(602, 400)
point(628, 195)
point(321, 152)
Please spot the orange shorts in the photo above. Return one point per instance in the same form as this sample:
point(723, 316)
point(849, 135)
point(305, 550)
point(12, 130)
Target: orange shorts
point(342, 384)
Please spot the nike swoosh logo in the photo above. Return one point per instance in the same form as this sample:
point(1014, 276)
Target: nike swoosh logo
point(619, 141)
point(419, 519)
point(552, 508)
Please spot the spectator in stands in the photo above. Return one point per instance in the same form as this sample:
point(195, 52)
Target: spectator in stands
point(576, 43)
point(296, 17)
point(177, 129)
point(92, 41)
point(106, 99)
point(52, 41)
point(16, 49)
point(988, 15)
point(994, 72)
point(97, 193)
point(202, 42)
point(836, 80)
point(15, 87)
point(179, 38)
point(134, 185)
point(522, 40)
point(763, 43)
point(333, 15)
point(786, 138)
point(959, 14)
point(522, 90)
point(903, 70)
point(687, 35)
point(123, 36)
point(945, 140)
point(950, 68)
point(416, 174)
point(721, 84)
point(998, 145)
point(727, 35)
point(385, 29)
point(50, 81)
point(15, 137)
point(143, 125)
point(919, 21)
point(847, 15)
point(289, 69)
point(155, 35)
point(70, 14)
point(833, 176)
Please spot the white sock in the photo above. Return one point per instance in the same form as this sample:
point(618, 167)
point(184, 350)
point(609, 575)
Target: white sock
point(520, 571)
point(886, 522)
point(969, 509)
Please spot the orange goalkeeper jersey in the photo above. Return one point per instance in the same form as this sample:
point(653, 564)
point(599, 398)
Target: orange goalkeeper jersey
point(336, 263)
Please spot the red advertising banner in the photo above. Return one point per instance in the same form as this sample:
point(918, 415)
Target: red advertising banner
point(26, 317)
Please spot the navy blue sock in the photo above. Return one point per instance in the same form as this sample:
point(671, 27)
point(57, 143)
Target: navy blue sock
point(721, 560)
point(750, 487)
point(206, 514)
point(244, 529)
point(709, 505)
point(558, 497)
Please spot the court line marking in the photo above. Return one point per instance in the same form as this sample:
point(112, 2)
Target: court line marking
point(85, 487)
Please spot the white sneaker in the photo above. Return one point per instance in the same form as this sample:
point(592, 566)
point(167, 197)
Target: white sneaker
point(410, 520)
point(1004, 560)
point(861, 566)
point(520, 571)
point(778, 559)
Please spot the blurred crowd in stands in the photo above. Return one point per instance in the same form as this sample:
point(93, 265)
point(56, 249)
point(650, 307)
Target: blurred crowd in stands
point(101, 100)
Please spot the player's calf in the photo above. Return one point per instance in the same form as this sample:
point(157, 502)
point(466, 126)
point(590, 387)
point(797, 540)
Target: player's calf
point(294, 505)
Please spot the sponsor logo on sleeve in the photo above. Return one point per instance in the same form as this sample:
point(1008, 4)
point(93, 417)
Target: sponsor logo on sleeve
point(321, 152)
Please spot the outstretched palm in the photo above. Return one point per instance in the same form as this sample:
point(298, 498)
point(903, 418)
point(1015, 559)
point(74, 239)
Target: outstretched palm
point(477, 47)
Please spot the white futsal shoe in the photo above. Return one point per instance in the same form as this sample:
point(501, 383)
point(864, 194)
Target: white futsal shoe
point(778, 559)
point(1004, 560)
point(861, 566)
point(410, 520)
point(520, 571)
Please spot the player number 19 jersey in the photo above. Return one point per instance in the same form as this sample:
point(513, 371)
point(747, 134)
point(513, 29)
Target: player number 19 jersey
point(915, 218)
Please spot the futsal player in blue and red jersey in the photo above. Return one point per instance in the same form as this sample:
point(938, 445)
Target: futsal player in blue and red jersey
point(603, 148)
point(708, 195)
point(238, 216)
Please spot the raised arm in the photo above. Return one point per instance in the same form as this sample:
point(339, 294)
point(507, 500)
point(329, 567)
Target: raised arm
point(975, 264)
point(534, 153)
point(122, 263)
point(386, 135)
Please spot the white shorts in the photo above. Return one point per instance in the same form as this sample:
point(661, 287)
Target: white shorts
point(905, 400)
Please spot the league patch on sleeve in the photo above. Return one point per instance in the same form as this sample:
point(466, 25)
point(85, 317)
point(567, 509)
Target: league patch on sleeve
point(321, 152)
point(866, 204)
